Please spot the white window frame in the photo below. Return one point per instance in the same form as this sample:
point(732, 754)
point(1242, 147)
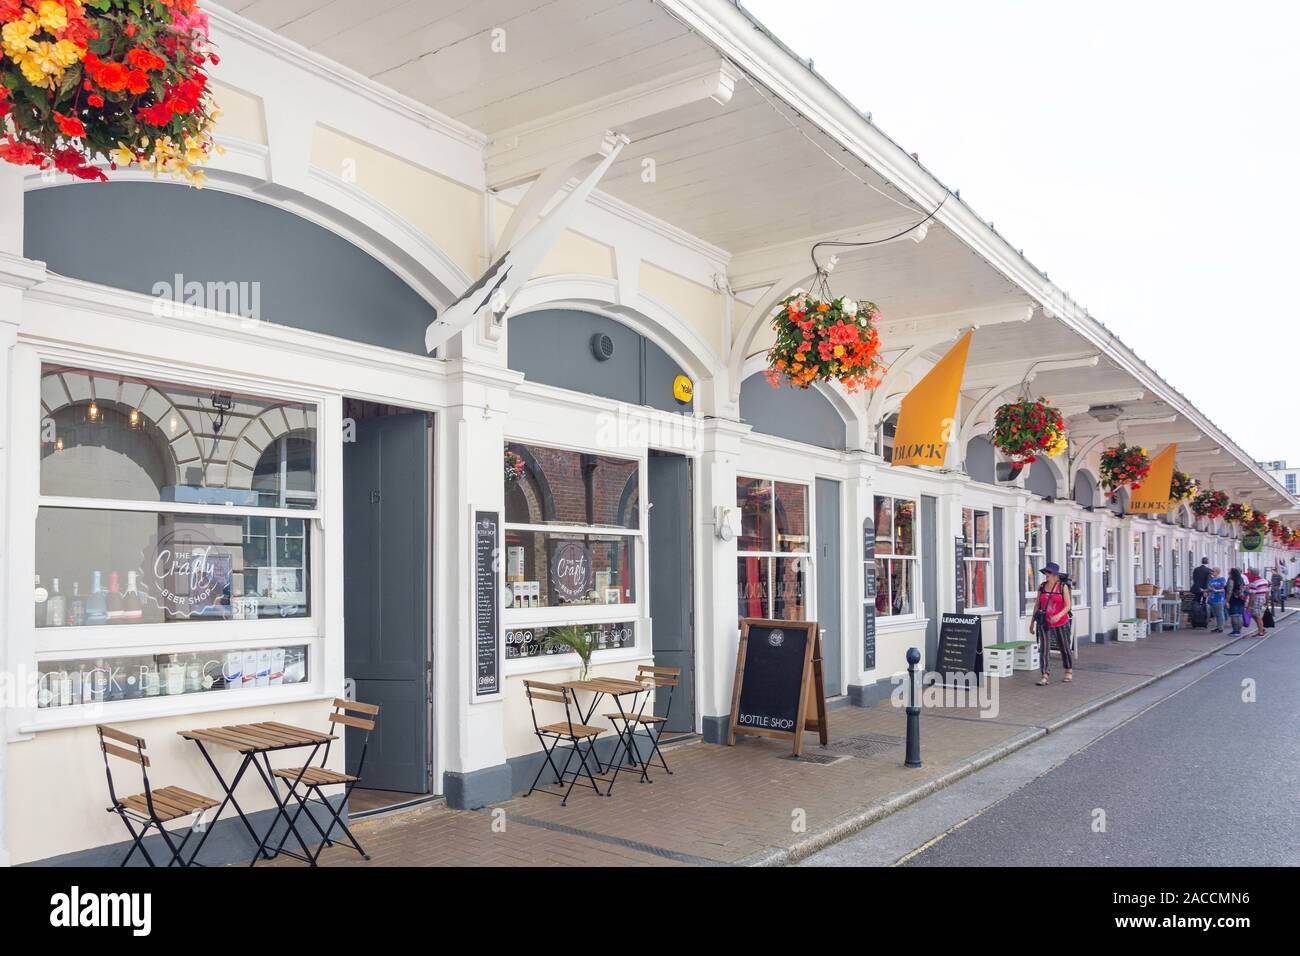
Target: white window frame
point(84, 642)
point(1035, 558)
point(633, 612)
point(987, 561)
point(1079, 583)
point(882, 581)
point(1110, 580)
point(810, 571)
point(1158, 562)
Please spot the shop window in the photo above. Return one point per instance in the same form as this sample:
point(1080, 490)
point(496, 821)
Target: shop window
point(1139, 573)
point(1076, 566)
point(773, 557)
point(167, 504)
point(1110, 569)
point(103, 680)
point(897, 566)
point(1158, 562)
point(1176, 555)
point(572, 547)
point(1035, 558)
point(975, 526)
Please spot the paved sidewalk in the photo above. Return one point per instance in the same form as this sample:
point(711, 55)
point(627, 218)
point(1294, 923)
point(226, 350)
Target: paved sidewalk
point(743, 805)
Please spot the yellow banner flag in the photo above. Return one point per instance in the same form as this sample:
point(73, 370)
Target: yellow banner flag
point(927, 418)
point(1152, 498)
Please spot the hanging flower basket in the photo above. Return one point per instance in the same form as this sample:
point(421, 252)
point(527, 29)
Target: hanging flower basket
point(1183, 487)
point(819, 340)
point(1123, 465)
point(514, 466)
point(1276, 528)
point(1256, 521)
point(1025, 429)
point(1237, 514)
point(1210, 504)
point(116, 81)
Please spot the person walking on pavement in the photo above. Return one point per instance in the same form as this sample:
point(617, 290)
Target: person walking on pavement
point(1217, 589)
point(1053, 618)
point(1237, 595)
point(1258, 601)
point(1278, 594)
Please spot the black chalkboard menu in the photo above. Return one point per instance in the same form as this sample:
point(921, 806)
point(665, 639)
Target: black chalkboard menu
point(487, 604)
point(869, 594)
point(961, 648)
point(778, 664)
point(959, 558)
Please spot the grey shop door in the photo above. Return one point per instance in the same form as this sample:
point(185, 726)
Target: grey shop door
point(929, 574)
point(671, 594)
point(827, 558)
point(385, 609)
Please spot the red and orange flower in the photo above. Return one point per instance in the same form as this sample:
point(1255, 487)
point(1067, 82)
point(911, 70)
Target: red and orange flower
point(88, 83)
point(825, 341)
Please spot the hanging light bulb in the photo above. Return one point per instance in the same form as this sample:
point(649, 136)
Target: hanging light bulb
point(135, 418)
point(93, 411)
point(58, 444)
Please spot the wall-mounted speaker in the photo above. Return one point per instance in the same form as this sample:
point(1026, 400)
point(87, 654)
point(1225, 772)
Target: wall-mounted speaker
point(602, 347)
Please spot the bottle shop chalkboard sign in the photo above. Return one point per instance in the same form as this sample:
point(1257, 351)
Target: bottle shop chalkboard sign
point(780, 690)
point(487, 603)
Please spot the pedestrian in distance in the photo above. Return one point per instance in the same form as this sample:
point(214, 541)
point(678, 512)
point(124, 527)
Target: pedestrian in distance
point(1237, 595)
point(1217, 590)
point(1201, 579)
point(1259, 588)
point(1278, 592)
point(1053, 617)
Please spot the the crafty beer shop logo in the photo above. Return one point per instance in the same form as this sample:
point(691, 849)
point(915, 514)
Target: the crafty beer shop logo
point(187, 572)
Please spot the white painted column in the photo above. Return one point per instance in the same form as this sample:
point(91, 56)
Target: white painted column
point(858, 506)
point(11, 296)
point(1017, 625)
point(468, 445)
point(717, 634)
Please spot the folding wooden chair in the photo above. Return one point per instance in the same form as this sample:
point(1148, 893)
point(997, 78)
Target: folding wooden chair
point(152, 808)
point(552, 735)
point(313, 778)
point(654, 726)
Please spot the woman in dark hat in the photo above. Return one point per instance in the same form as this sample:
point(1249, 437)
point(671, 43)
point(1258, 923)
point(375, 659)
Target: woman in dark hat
point(1053, 618)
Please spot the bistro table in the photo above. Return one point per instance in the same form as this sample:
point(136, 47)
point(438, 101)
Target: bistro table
point(617, 688)
point(254, 740)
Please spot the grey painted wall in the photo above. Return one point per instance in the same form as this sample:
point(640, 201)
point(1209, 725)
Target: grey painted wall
point(1041, 479)
point(133, 235)
point(980, 459)
point(804, 415)
point(553, 347)
point(1085, 489)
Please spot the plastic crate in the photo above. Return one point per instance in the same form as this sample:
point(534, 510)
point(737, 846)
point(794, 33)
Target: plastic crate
point(1026, 658)
point(1131, 629)
point(998, 661)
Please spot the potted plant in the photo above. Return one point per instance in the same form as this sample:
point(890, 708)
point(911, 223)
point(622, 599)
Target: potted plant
point(824, 340)
point(116, 82)
point(1183, 486)
point(575, 638)
point(514, 466)
point(1123, 465)
point(1210, 504)
point(1025, 429)
point(1237, 514)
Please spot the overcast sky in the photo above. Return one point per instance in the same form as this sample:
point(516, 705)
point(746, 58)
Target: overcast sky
point(1143, 154)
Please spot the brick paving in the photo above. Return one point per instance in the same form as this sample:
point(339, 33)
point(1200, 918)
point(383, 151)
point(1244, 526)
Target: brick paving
point(732, 805)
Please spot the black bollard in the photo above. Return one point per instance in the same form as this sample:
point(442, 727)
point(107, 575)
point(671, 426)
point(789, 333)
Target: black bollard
point(913, 758)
